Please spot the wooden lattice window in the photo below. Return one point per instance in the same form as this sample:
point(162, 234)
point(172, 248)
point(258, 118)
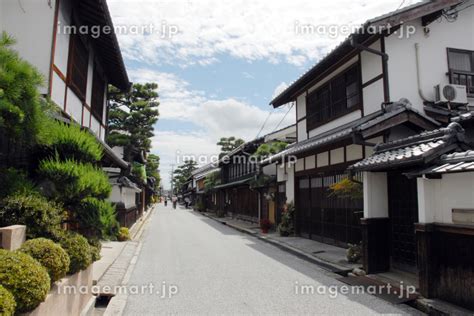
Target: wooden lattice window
point(338, 97)
point(97, 99)
point(78, 66)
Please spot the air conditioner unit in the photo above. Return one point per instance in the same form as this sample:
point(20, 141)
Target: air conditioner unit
point(450, 93)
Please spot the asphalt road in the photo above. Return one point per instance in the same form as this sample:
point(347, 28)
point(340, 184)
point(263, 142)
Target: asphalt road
point(217, 270)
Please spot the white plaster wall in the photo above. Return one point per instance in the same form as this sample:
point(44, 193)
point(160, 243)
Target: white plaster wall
point(373, 97)
point(270, 170)
point(58, 90)
point(302, 135)
point(310, 162)
point(338, 122)
point(322, 159)
point(281, 173)
point(301, 106)
point(433, 56)
point(438, 197)
point(299, 166)
point(354, 152)
point(337, 156)
point(1, 17)
point(95, 125)
point(128, 196)
point(87, 118)
point(371, 64)
point(290, 184)
point(31, 24)
point(122, 194)
point(375, 194)
point(118, 150)
point(74, 106)
point(116, 195)
point(90, 75)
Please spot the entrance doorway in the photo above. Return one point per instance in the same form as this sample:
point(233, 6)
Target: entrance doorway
point(403, 213)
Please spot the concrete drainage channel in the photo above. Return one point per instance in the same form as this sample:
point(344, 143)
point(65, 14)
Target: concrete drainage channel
point(101, 303)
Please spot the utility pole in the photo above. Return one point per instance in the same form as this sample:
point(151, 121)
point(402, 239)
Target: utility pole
point(172, 171)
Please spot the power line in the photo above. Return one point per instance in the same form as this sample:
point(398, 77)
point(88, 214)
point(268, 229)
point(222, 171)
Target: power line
point(403, 1)
point(265, 122)
point(284, 116)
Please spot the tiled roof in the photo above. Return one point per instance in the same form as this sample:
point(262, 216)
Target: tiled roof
point(348, 130)
point(420, 148)
point(463, 117)
point(451, 163)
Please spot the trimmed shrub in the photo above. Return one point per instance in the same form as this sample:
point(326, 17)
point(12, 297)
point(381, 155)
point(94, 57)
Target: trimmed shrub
point(7, 302)
point(74, 181)
point(98, 217)
point(124, 234)
point(51, 256)
point(139, 171)
point(25, 278)
point(78, 250)
point(41, 217)
point(70, 142)
point(96, 247)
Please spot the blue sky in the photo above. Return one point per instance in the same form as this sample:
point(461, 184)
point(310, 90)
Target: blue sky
point(218, 63)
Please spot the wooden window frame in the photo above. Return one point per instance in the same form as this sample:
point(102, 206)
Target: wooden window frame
point(310, 113)
point(452, 73)
point(98, 101)
point(75, 42)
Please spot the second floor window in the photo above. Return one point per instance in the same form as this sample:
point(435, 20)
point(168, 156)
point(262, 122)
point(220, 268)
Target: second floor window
point(78, 66)
point(461, 68)
point(97, 99)
point(339, 96)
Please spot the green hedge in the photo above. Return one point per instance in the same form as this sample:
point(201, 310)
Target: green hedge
point(51, 256)
point(14, 181)
point(41, 217)
point(25, 278)
point(95, 247)
point(75, 181)
point(99, 216)
point(70, 142)
point(78, 250)
point(7, 302)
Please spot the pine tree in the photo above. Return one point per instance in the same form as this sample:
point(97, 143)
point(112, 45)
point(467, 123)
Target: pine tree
point(131, 118)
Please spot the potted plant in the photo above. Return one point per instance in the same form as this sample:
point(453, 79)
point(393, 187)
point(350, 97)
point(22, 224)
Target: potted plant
point(265, 225)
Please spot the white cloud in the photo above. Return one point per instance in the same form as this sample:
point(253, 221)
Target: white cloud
point(245, 29)
point(279, 89)
point(172, 146)
point(214, 118)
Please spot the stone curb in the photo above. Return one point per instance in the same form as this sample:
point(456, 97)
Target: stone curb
point(137, 227)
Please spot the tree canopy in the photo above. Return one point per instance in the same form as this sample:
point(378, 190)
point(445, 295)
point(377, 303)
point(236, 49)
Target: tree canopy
point(228, 144)
point(182, 173)
point(132, 116)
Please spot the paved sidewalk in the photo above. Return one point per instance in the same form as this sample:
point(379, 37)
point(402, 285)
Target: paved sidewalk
point(110, 251)
point(330, 257)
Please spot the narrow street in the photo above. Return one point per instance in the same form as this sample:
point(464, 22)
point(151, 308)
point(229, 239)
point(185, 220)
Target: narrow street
point(218, 270)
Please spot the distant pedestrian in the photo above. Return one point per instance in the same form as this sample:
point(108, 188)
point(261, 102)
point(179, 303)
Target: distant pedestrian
point(174, 199)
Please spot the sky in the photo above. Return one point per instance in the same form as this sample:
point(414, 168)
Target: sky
point(219, 63)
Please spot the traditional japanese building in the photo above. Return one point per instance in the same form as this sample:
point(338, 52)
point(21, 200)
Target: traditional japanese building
point(345, 105)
